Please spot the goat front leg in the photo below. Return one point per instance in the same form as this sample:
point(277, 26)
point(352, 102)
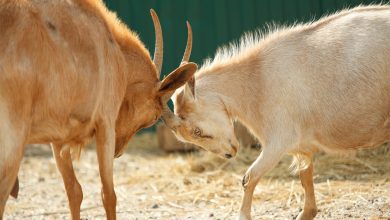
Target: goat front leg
point(72, 186)
point(105, 144)
point(269, 157)
point(310, 208)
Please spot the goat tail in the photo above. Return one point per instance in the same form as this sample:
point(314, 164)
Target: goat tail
point(75, 150)
point(300, 161)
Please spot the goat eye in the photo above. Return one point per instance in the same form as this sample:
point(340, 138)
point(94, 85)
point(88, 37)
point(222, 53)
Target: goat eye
point(197, 132)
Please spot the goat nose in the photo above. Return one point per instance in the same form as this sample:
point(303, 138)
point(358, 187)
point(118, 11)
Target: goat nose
point(228, 156)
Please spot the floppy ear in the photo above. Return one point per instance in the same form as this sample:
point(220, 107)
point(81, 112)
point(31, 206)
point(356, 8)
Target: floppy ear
point(177, 78)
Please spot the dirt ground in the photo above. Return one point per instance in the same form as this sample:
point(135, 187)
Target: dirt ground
point(152, 184)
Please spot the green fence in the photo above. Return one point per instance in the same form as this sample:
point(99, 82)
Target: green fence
point(215, 22)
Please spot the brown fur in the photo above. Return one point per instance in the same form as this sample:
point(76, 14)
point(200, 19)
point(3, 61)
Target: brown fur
point(69, 71)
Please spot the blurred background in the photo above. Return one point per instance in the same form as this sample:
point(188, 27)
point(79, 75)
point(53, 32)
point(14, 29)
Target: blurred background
point(215, 23)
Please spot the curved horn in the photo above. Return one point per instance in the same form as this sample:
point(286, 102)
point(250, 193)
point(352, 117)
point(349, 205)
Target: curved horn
point(186, 57)
point(187, 52)
point(169, 118)
point(159, 47)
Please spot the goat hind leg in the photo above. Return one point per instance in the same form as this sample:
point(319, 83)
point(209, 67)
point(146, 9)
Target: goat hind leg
point(72, 186)
point(310, 208)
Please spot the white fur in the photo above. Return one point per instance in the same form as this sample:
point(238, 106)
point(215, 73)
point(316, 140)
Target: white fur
point(324, 85)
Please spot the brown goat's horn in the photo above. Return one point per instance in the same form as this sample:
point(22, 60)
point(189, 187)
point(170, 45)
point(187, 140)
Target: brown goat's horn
point(187, 52)
point(159, 47)
point(186, 58)
point(169, 118)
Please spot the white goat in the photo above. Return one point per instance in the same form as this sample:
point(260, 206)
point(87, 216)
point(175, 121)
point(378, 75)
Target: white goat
point(324, 85)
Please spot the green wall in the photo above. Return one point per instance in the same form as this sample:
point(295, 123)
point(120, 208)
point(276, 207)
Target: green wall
point(214, 22)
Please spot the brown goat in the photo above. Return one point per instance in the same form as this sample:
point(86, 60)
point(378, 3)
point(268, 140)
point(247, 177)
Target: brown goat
point(71, 71)
point(324, 86)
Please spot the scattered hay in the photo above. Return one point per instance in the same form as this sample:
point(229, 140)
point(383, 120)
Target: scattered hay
point(151, 184)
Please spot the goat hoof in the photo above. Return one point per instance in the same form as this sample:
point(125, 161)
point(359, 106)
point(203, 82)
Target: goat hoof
point(244, 216)
point(309, 215)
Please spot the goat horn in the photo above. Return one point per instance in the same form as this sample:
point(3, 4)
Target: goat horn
point(168, 116)
point(187, 52)
point(159, 47)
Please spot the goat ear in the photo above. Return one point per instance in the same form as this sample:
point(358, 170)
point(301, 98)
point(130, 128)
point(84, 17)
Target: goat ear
point(177, 78)
point(189, 89)
point(189, 92)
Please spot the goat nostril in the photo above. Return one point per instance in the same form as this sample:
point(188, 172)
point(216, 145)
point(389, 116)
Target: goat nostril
point(228, 156)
